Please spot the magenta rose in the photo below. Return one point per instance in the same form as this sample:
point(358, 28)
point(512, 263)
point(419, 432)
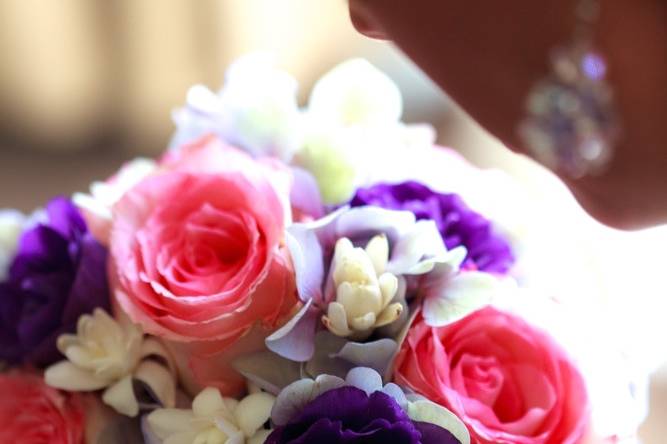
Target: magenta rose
point(198, 250)
point(508, 381)
point(31, 412)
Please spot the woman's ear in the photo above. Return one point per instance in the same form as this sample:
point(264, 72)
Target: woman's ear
point(364, 22)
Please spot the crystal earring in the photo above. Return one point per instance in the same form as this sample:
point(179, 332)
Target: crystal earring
point(570, 123)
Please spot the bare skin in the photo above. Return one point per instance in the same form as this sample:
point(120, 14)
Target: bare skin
point(488, 54)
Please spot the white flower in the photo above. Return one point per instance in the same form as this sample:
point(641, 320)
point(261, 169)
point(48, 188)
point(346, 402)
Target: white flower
point(103, 195)
point(105, 354)
point(332, 156)
point(11, 225)
point(349, 110)
point(356, 93)
point(256, 109)
point(214, 420)
point(364, 290)
point(351, 125)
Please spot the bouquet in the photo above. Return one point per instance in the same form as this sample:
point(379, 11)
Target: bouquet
point(286, 274)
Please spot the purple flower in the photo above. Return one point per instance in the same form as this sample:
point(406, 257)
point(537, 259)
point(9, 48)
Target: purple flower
point(58, 273)
point(349, 415)
point(458, 225)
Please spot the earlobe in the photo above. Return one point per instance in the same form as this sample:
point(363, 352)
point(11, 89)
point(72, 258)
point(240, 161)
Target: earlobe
point(364, 23)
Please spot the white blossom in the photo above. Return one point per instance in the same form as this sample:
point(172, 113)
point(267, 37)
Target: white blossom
point(105, 354)
point(364, 290)
point(214, 419)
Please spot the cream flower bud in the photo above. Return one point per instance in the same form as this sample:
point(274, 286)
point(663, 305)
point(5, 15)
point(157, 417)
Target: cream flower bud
point(105, 354)
point(364, 290)
point(215, 419)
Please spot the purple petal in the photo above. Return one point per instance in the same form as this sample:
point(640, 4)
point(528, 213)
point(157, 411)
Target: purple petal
point(65, 218)
point(353, 406)
point(322, 432)
point(41, 249)
point(296, 339)
point(46, 352)
point(90, 288)
point(43, 299)
point(457, 224)
point(433, 434)
point(349, 415)
point(10, 309)
point(58, 273)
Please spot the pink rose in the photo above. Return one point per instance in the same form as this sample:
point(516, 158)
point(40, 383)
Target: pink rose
point(31, 412)
point(509, 382)
point(198, 250)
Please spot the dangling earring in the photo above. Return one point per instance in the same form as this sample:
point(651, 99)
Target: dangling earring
point(570, 124)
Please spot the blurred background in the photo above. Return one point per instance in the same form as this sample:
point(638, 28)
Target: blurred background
point(88, 84)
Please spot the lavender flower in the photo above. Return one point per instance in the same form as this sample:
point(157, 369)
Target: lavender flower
point(58, 273)
point(347, 415)
point(458, 225)
point(359, 409)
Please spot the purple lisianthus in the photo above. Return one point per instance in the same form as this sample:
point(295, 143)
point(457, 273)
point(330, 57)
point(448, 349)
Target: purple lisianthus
point(349, 415)
point(58, 273)
point(458, 225)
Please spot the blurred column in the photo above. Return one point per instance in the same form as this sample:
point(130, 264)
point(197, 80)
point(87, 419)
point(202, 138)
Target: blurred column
point(53, 72)
point(307, 36)
point(164, 51)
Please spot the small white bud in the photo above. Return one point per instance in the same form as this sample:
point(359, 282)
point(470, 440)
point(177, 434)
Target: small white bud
point(363, 289)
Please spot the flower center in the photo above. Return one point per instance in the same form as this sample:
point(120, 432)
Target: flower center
point(214, 238)
point(482, 377)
